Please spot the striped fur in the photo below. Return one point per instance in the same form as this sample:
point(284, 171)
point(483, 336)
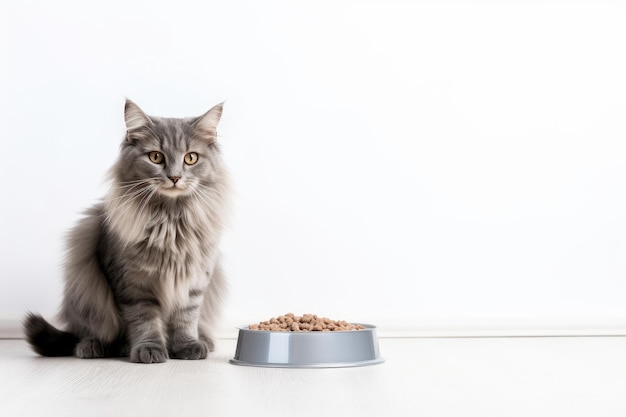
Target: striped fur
point(142, 274)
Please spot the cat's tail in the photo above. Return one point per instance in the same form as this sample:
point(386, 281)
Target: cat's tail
point(47, 340)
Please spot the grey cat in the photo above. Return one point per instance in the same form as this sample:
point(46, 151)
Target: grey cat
point(142, 274)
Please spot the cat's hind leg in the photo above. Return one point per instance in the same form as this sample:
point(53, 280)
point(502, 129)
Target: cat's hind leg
point(90, 348)
point(89, 309)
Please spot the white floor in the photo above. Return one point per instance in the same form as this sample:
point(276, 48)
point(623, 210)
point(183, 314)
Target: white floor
point(421, 377)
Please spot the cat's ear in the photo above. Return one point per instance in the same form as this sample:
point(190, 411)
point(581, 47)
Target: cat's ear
point(205, 126)
point(135, 117)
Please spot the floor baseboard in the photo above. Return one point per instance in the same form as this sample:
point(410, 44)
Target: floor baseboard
point(11, 328)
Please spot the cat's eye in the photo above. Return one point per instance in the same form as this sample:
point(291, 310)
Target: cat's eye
point(191, 158)
point(156, 157)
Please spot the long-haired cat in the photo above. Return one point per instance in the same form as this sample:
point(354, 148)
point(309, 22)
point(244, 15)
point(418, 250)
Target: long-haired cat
point(142, 273)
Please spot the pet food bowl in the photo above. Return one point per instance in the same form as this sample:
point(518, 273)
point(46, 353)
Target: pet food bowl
point(307, 349)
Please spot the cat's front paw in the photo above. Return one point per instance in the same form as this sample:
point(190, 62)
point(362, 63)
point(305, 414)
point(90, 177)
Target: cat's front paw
point(196, 349)
point(148, 353)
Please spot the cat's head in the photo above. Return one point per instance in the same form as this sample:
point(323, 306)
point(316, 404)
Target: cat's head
point(168, 157)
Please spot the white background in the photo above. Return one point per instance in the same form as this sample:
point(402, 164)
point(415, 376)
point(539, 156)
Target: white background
point(418, 160)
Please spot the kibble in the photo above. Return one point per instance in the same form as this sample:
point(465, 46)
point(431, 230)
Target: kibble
point(305, 323)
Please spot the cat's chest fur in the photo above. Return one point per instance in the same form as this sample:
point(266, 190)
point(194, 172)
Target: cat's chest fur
point(169, 249)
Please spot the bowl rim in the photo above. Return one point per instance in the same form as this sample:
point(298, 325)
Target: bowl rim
point(368, 327)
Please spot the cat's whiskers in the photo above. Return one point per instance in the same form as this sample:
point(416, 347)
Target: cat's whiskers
point(132, 197)
point(135, 181)
point(128, 193)
point(197, 196)
point(209, 196)
point(146, 199)
point(139, 184)
point(208, 199)
point(131, 186)
point(143, 183)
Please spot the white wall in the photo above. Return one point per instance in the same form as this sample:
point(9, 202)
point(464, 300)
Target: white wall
point(426, 160)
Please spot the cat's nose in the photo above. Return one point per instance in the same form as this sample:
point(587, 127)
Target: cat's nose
point(174, 179)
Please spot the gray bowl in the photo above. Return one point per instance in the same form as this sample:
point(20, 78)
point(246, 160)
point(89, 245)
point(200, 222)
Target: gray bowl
point(307, 349)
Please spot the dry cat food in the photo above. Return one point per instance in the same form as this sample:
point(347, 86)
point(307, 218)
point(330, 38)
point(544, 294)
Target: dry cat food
point(305, 323)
